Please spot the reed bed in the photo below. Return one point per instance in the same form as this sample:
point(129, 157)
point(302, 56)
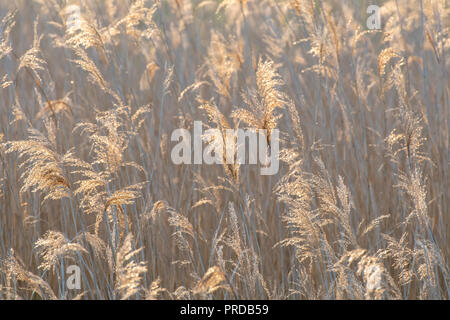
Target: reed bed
point(91, 91)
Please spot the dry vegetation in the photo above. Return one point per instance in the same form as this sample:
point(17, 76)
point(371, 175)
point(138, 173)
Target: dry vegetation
point(358, 210)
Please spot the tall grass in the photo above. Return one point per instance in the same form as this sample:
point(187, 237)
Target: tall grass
point(358, 210)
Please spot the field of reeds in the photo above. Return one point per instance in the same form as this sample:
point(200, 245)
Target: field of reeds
point(91, 91)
